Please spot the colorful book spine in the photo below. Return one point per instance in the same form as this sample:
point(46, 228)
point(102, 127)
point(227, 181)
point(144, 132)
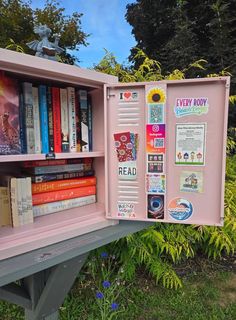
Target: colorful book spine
point(43, 110)
point(78, 124)
point(29, 117)
point(9, 116)
point(22, 124)
point(53, 196)
point(64, 121)
point(54, 162)
point(61, 176)
point(50, 120)
point(90, 123)
point(72, 119)
point(62, 184)
point(57, 206)
point(83, 101)
point(56, 106)
point(58, 169)
point(37, 135)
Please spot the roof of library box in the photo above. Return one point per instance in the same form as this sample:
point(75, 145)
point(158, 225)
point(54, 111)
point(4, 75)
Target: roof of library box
point(36, 67)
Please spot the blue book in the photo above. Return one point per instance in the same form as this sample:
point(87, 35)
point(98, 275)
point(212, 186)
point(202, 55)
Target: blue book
point(43, 111)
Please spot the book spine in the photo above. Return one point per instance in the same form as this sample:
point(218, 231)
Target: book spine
point(20, 187)
point(63, 168)
point(50, 120)
point(61, 176)
point(29, 117)
point(23, 199)
point(37, 136)
point(83, 101)
point(62, 184)
point(29, 215)
point(64, 121)
point(14, 205)
point(5, 212)
point(22, 124)
point(54, 162)
point(63, 195)
point(56, 106)
point(43, 118)
point(72, 119)
point(90, 123)
point(57, 206)
point(78, 124)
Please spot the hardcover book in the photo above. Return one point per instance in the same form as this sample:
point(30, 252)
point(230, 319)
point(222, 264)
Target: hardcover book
point(56, 107)
point(50, 119)
point(9, 116)
point(60, 168)
point(43, 118)
point(84, 119)
point(72, 119)
point(64, 121)
point(61, 176)
point(29, 117)
point(37, 135)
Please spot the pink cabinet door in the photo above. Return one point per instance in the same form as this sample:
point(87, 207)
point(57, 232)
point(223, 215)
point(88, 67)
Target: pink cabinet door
point(165, 150)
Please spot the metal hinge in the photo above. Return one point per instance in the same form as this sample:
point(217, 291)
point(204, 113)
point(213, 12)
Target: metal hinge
point(109, 95)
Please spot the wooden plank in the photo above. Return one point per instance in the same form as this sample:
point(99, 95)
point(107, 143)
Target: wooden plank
point(14, 293)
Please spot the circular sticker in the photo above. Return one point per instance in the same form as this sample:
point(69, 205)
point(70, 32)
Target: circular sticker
point(180, 209)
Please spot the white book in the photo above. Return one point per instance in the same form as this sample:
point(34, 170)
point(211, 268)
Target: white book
point(29, 117)
point(14, 205)
point(24, 199)
point(20, 187)
point(57, 206)
point(29, 213)
point(72, 119)
point(64, 120)
point(37, 134)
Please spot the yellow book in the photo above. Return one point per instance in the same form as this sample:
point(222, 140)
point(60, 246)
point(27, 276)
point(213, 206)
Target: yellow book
point(5, 210)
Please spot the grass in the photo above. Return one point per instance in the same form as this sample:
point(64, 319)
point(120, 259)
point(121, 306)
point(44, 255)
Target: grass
point(209, 294)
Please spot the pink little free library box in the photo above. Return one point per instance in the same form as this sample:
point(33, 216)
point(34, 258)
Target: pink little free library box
point(157, 150)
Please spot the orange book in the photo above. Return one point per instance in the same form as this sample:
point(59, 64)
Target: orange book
point(62, 184)
point(53, 196)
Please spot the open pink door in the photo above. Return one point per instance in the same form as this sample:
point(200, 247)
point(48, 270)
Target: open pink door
point(165, 150)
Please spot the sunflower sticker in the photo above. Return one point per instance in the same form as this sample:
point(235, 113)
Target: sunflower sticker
point(156, 95)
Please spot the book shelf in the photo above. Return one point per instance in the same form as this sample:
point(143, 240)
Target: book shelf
point(69, 223)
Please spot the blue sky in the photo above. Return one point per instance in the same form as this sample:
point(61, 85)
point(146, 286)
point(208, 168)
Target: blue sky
point(105, 21)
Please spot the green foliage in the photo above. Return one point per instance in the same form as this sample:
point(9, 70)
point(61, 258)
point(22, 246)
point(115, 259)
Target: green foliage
point(161, 246)
point(17, 20)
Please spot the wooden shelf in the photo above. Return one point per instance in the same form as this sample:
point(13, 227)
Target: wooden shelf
point(52, 228)
point(67, 155)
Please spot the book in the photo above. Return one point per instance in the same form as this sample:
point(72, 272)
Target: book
point(43, 111)
point(29, 118)
point(14, 203)
point(83, 102)
point(64, 121)
point(60, 176)
point(5, 210)
point(57, 206)
point(53, 196)
point(50, 120)
point(9, 116)
point(72, 119)
point(56, 107)
point(22, 123)
point(78, 123)
point(90, 123)
point(37, 135)
point(59, 169)
point(62, 184)
point(54, 162)
point(28, 217)
point(20, 186)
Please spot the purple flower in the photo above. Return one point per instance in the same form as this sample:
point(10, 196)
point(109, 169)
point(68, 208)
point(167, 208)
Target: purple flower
point(104, 255)
point(106, 284)
point(114, 306)
point(99, 295)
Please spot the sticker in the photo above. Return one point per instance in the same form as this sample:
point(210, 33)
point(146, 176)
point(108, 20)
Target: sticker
point(127, 170)
point(180, 209)
point(191, 106)
point(155, 206)
point(190, 144)
point(156, 95)
point(156, 113)
point(155, 134)
point(156, 157)
point(125, 210)
point(155, 163)
point(191, 181)
point(155, 183)
point(128, 96)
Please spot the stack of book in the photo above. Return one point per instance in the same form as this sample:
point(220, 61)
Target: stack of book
point(44, 119)
point(61, 184)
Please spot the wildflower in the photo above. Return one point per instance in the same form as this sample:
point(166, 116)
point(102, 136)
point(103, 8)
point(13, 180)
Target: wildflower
point(106, 284)
point(99, 295)
point(114, 306)
point(104, 254)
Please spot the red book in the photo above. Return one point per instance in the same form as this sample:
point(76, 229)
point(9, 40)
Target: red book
point(62, 184)
point(56, 107)
point(53, 196)
point(54, 162)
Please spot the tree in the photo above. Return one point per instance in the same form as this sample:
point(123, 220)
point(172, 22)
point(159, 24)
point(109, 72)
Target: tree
point(17, 20)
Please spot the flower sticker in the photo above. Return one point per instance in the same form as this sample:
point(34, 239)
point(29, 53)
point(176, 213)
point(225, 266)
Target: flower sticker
point(156, 95)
